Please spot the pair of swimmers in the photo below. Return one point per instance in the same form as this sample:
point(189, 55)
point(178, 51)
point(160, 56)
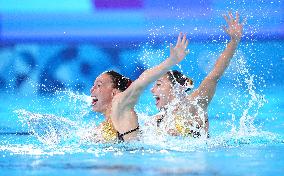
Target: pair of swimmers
point(115, 96)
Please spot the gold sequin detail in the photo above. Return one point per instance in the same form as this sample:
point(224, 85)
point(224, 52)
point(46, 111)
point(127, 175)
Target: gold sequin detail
point(181, 127)
point(108, 131)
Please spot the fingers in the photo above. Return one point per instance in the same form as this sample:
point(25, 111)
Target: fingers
point(225, 29)
point(231, 16)
point(171, 46)
point(237, 17)
point(179, 38)
point(232, 21)
point(183, 39)
point(186, 44)
point(182, 43)
point(226, 18)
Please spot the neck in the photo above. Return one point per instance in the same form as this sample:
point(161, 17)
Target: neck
point(171, 106)
point(107, 113)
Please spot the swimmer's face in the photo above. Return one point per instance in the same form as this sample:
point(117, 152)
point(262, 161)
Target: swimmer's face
point(102, 93)
point(162, 92)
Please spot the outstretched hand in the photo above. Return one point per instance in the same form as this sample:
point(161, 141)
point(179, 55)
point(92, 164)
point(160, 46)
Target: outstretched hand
point(235, 28)
point(178, 53)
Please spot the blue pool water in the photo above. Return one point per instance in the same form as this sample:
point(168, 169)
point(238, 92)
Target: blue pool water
point(246, 125)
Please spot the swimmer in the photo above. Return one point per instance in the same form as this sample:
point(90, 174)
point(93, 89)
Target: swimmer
point(183, 114)
point(115, 96)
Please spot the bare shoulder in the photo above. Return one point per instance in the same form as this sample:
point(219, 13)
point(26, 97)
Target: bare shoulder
point(117, 105)
point(128, 98)
point(197, 100)
point(124, 120)
point(193, 96)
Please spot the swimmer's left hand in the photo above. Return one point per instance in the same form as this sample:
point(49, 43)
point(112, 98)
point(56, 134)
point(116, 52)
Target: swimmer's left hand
point(178, 53)
point(235, 28)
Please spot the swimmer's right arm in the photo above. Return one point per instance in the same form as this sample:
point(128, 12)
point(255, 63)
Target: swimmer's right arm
point(177, 54)
point(207, 88)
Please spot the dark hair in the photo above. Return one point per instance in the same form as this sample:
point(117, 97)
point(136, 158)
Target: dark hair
point(120, 82)
point(177, 77)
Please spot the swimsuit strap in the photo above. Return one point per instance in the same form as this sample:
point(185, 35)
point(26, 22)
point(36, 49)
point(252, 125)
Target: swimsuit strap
point(160, 120)
point(120, 136)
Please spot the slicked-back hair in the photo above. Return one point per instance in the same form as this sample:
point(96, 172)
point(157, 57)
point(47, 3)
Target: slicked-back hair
point(177, 77)
point(120, 82)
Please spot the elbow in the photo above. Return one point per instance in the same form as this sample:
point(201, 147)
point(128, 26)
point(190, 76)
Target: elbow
point(142, 82)
point(139, 86)
point(214, 76)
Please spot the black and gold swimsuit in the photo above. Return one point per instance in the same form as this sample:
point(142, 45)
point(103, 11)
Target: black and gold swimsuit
point(183, 129)
point(110, 134)
point(120, 135)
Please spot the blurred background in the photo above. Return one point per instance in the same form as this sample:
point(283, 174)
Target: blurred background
point(50, 46)
point(53, 45)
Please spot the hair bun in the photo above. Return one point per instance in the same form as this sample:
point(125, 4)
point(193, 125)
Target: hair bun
point(120, 82)
point(129, 83)
point(188, 84)
point(177, 78)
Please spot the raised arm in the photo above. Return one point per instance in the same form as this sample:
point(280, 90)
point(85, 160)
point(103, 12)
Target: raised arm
point(130, 96)
point(206, 90)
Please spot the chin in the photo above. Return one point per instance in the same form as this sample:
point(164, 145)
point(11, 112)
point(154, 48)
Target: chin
point(159, 107)
point(95, 109)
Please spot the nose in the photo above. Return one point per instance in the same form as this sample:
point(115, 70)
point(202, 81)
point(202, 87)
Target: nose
point(92, 89)
point(152, 89)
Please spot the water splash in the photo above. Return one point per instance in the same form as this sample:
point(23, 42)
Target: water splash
point(80, 104)
point(67, 127)
point(48, 129)
point(248, 101)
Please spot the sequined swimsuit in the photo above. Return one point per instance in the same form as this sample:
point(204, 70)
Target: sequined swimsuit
point(183, 129)
point(110, 134)
point(108, 131)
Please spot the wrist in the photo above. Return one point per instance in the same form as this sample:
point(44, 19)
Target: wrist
point(170, 61)
point(235, 40)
